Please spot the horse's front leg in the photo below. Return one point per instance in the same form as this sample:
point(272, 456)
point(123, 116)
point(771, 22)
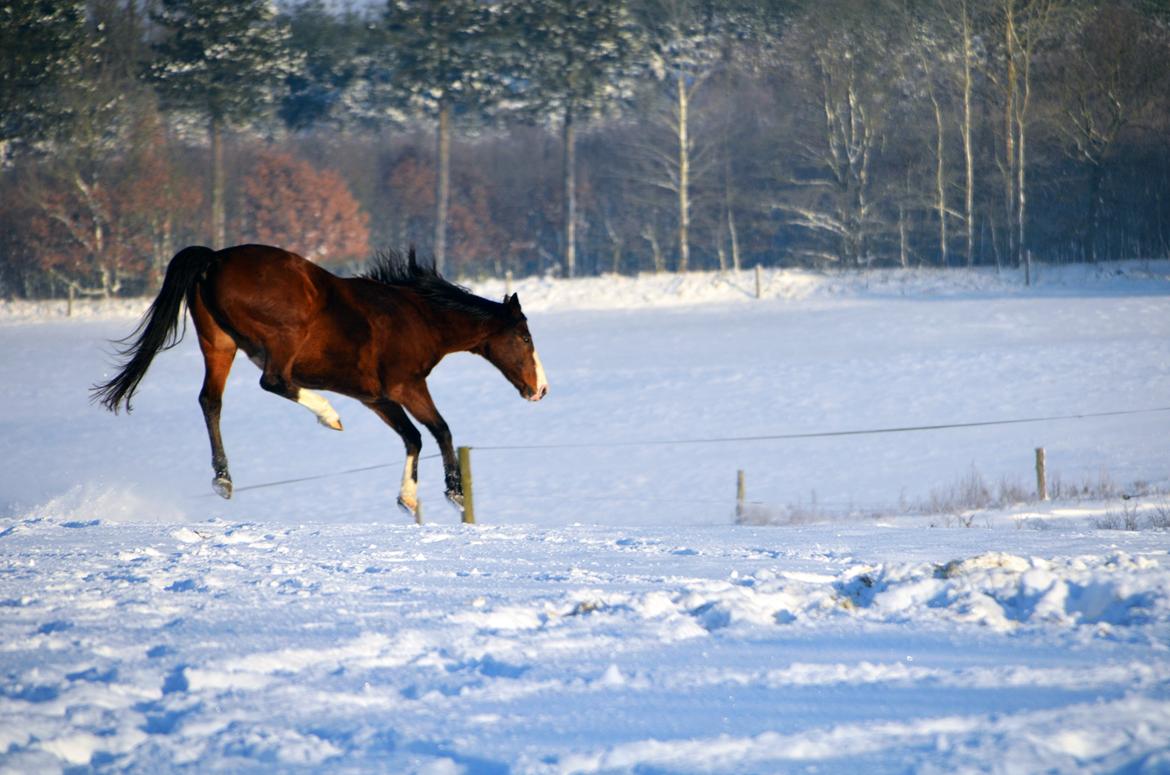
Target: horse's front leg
point(394, 416)
point(418, 402)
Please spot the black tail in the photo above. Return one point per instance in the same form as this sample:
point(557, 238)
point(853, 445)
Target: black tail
point(157, 330)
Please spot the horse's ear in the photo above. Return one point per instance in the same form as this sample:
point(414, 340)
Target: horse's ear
point(513, 304)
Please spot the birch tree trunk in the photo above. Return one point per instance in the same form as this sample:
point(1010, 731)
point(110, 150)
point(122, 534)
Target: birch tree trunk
point(733, 232)
point(940, 182)
point(1021, 190)
point(968, 149)
point(570, 196)
point(903, 247)
point(728, 201)
point(1009, 132)
point(442, 183)
point(651, 235)
point(1038, 18)
point(218, 220)
point(1021, 41)
point(940, 179)
point(684, 171)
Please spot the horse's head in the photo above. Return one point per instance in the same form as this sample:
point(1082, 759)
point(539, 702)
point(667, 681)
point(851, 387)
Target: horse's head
point(510, 350)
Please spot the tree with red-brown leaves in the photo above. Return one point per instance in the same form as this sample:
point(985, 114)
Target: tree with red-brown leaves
point(160, 200)
point(290, 203)
point(474, 237)
point(88, 247)
point(108, 225)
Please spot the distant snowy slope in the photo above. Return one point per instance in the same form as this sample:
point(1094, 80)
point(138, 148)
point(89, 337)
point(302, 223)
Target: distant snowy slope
point(673, 290)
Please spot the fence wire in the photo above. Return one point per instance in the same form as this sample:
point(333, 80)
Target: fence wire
point(719, 440)
point(818, 434)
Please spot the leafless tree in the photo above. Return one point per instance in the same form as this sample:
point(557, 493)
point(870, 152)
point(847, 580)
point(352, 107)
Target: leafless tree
point(1112, 81)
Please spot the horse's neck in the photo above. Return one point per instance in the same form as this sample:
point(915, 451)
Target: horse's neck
point(460, 331)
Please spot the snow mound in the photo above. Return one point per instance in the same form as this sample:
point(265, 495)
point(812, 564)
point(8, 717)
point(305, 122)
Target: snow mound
point(1101, 595)
point(1001, 591)
point(1004, 591)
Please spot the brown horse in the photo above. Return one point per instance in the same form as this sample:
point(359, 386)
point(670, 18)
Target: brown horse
point(375, 338)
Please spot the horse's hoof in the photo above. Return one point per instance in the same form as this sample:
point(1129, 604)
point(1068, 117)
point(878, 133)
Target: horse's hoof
point(413, 509)
point(332, 422)
point(222, 486)
point(456, 499)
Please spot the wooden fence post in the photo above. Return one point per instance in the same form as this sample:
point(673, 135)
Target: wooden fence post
point(759, 282)
point(1041, 474)
point(508, 283)
point(465, 475)
point(740, 495)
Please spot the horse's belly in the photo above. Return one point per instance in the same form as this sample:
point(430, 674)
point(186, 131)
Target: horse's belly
point(339, 369)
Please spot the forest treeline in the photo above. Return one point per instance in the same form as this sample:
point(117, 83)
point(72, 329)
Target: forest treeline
point(554, 136)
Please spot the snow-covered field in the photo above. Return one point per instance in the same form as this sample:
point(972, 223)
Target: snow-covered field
point(608, 615)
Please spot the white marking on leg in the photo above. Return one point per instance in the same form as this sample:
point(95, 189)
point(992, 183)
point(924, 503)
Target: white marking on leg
point(409, 492)
point(316, 403)
point(541, 379)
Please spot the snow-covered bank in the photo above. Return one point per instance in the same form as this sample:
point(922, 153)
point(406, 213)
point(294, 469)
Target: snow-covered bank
point(40, 311)
point(671, 290)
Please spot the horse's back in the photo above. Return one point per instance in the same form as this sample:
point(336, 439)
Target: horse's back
point(268, 280)
point(261, 293)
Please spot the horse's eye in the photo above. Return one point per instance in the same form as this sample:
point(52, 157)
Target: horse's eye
point(526, 339)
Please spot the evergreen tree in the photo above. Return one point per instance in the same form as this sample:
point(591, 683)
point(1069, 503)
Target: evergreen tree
point(445, 59)
point(332, 45)
point(225, 62)
point(77, 192)
point(582, 59)
point(42, 54)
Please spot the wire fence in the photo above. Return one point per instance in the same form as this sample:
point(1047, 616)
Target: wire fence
point(626, 443)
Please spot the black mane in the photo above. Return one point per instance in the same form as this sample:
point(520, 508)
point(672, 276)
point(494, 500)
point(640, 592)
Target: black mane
point(389, 267)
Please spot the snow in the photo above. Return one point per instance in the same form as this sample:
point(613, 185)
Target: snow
point(608, 614)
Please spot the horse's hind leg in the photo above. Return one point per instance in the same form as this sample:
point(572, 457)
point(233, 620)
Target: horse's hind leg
point(394, 416)
point(219, 350)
